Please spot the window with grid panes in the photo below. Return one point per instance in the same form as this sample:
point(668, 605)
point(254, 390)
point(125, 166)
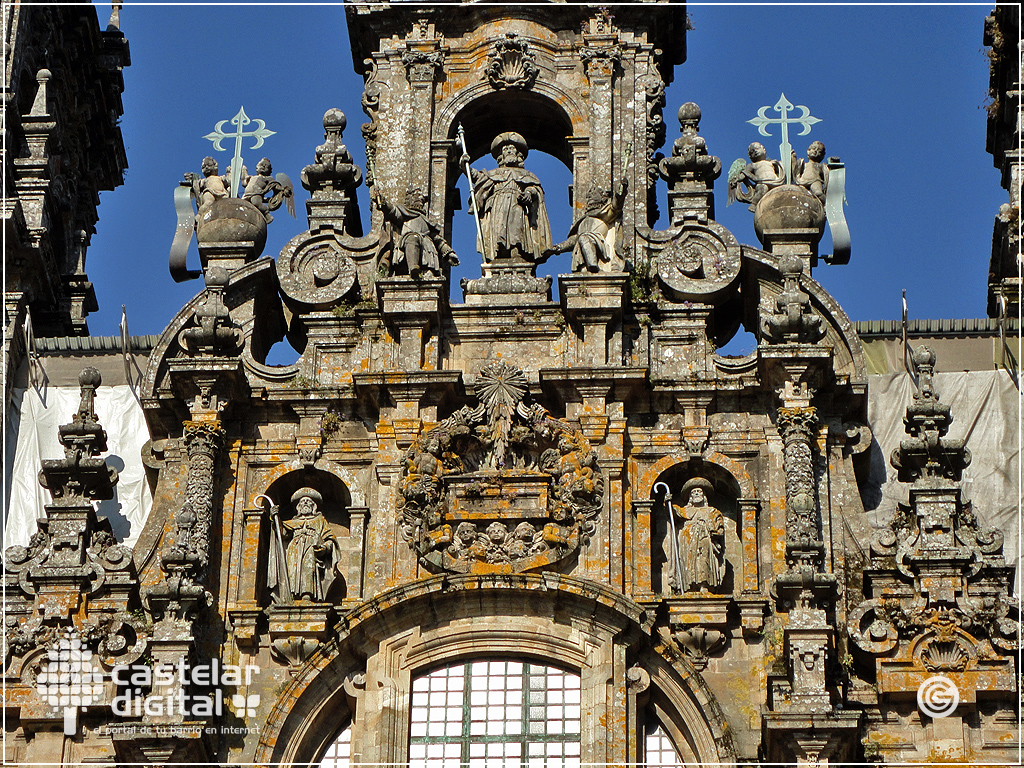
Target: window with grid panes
point(339, 753)
point(495, 714)
point(658, 749)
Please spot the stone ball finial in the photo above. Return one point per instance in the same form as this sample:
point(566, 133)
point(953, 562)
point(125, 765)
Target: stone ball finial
point(43, 75)
point(689, 114)
point(89, 377)
point(334, 119)
point(791, 265)
point(789, 208)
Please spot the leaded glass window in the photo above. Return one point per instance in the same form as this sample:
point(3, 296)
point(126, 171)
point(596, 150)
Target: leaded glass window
point(658, 749)
point(340, 752)
point(495, 714)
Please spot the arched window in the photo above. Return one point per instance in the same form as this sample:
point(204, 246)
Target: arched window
point(340, 752)
point(496, 714)
point(658, 749)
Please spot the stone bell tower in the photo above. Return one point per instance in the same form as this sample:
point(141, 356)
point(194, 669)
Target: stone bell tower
point(573, 81)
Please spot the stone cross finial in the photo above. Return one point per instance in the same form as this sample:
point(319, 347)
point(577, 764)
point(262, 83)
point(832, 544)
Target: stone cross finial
point(783, 107)
point(217, 135)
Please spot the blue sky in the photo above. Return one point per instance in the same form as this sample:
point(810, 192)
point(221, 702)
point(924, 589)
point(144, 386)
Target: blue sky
point(900, 91)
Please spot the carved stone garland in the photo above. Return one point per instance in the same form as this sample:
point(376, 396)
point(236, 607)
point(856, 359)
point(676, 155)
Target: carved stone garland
point(798, 427)
point(502, 487)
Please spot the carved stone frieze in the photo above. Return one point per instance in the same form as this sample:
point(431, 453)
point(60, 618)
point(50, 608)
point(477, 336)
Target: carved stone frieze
point(511, 64)
point(502, 487)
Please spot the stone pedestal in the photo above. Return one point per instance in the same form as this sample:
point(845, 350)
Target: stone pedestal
point(411, 308)
point(505, 284)
point(297, 629)
point(789, 221)
point(593, 303)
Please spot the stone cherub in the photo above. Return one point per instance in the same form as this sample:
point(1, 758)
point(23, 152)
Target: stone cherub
point(812, 174)
point(210, 186)
point(513, 217)
point(752, 181)
point(411, 244)
point(311, 552)
point(256, 188)
point(593, 237)
point(699, 562)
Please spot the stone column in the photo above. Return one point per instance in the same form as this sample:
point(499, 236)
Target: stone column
point(422, 61)
point(203, 440)
point(600, 57)
point(797, 426)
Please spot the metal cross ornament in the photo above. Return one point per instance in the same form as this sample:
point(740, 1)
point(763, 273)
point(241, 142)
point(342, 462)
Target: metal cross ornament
point(239, 121)
point(783, 107)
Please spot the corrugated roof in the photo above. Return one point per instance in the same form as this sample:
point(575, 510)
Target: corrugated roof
point(976, 326)
point(96, 345)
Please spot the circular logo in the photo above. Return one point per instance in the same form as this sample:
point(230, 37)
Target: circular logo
point(938, 696)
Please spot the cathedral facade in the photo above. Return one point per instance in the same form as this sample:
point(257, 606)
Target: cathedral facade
point(513, 529)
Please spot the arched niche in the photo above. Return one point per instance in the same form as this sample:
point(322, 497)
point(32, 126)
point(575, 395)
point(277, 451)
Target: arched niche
point(337, 511)
point(556, 620)
point(542, 121)
point(547, 116)
point(724, 492)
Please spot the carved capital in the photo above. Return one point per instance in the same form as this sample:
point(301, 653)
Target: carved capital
point(423, 66)
point(599, 61)
point(798, 424)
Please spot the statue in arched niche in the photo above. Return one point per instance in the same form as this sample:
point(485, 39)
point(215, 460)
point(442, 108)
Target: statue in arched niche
point(513, 217)
point(699, 557)
point(305, 553)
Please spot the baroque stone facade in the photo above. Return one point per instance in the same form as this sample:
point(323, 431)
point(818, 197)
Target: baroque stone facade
point(584, 487)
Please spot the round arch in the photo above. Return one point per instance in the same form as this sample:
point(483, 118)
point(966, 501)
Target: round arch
point(384, 643)
point(340, 480)
point(547, 116)
point(730, 470)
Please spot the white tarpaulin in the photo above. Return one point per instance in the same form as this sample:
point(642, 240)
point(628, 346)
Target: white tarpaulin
point(986, 413)
point(32, 433)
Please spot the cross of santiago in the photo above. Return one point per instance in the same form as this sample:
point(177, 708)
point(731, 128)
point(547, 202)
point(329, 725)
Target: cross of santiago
point(239, 121)
point(783, 107)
